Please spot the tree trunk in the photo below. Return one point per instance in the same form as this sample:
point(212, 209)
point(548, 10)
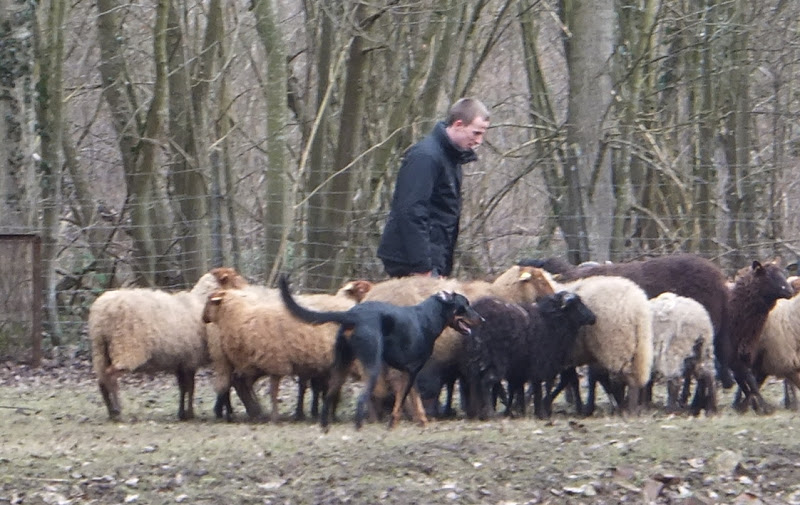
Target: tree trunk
point(187, 125)
point(17, 117)
point(705, 118)
point(588, 218)
point(136, 138)
point(279, 215)
point(318, 250)
point(49, 44)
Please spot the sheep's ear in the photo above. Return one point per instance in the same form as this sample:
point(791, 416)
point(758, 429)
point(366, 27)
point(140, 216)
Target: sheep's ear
point(757, 267)
point(568, 299)
point(525, 276)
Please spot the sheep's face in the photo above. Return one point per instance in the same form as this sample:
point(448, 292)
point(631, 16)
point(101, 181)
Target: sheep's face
point(770, 282)
point(356, 290)
point(211, 310)
point(228, 278)
point(533, 283)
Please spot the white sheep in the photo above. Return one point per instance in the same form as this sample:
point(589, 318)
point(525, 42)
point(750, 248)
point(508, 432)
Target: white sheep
point(620, 342)
point(148, 330)
point(683, 350)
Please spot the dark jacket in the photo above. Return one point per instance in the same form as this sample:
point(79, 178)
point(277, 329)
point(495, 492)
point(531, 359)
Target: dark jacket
point(422, 227)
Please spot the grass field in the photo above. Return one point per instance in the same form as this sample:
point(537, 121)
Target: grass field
point(57, 447)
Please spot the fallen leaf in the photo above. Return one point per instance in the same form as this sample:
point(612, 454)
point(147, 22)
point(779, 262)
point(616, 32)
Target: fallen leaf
point(652, 488)
point(667, 480)
point(748, 499)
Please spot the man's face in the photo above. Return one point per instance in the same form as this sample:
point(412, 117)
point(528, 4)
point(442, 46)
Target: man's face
point(468, 136)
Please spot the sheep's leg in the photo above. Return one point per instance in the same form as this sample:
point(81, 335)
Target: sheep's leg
point(109, 389)
point(568, 379)
point(274, 386)
point(110, 398)
point(686, 390)
point(186, 388)
point(539, 407)
point(791, 383)
point(448, 404)
point(759, 403)
point(516, 396)
point(299, 413)
point(245, 390)
point(318, 387)
point(632, 402)
point(222, 406)
point(673, 402)
point(705, 395)
point(480, 397)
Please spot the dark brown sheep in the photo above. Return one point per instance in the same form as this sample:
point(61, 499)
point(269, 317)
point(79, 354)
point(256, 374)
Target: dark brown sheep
point(753, 296)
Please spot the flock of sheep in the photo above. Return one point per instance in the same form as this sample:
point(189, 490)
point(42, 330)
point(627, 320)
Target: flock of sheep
point(673, 320)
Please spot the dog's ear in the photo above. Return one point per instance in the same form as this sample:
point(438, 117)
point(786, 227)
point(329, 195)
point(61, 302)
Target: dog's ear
point(445, 296)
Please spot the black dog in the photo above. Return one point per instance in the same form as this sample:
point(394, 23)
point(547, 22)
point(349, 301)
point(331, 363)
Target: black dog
point(376, 333)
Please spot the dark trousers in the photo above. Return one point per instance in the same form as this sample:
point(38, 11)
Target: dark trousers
point(394, 269)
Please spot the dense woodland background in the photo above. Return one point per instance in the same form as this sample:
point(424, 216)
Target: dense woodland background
point(146, 141)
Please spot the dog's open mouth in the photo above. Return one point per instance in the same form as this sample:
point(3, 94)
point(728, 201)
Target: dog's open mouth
point(462, 326)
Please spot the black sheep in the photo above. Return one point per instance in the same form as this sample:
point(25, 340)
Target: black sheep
point(521, 344)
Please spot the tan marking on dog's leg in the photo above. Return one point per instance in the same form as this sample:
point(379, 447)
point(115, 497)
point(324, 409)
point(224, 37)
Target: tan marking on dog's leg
point(399, 387)
point(418, 409)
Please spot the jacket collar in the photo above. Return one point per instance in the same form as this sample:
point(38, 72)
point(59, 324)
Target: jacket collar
point(458, 155)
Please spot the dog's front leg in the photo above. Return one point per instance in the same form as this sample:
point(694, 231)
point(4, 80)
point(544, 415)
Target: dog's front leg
point(419, 409)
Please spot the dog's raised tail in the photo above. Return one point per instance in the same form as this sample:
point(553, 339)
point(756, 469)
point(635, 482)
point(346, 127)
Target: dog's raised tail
point(304, 314)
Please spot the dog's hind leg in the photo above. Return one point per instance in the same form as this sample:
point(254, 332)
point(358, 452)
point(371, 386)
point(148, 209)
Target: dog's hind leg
point(373, 372)
point(343, 358)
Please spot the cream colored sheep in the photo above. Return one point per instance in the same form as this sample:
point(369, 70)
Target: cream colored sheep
point(148, 330)
point(683, 345)
point(621, 341)
point(778, 351)
point(259, 337)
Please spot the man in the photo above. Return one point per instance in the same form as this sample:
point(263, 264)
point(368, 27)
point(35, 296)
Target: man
point(422, 228)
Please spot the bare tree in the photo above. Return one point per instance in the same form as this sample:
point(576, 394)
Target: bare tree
point(589, 207)
point(18, 192)
point(49, 44)
point(137, 137)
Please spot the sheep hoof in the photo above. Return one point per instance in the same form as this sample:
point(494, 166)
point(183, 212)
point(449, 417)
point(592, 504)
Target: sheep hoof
point(765, 408)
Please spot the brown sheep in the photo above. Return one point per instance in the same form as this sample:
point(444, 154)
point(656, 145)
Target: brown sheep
point(148, 330)
point(258, 338)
